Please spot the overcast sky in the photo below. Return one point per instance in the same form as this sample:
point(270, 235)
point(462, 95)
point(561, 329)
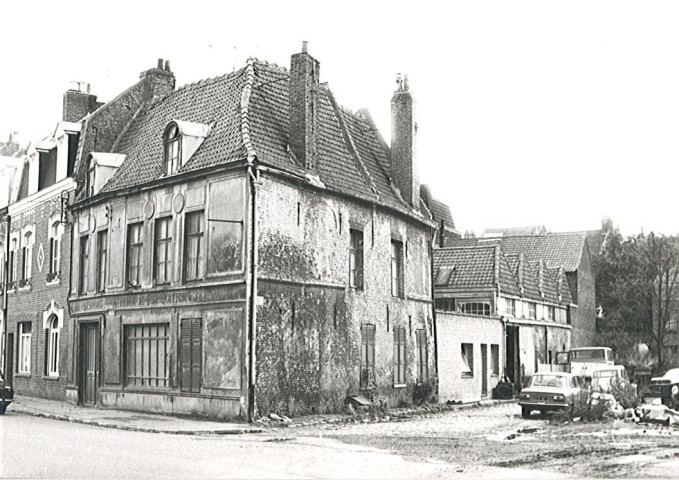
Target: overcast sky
point(530, 113)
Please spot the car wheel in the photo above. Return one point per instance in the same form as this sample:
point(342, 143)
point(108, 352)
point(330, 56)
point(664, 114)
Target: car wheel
point(525, 412)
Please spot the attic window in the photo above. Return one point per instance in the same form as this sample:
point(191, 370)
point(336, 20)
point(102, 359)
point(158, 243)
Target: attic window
point(443, 275)
point(172, 147)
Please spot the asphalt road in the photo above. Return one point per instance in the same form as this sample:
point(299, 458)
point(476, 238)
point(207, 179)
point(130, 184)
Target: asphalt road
point(34, 447)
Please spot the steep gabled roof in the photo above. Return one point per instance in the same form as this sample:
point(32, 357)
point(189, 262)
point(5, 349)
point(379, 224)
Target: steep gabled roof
point(247, 112)
point(555, 249)
point(514, 231)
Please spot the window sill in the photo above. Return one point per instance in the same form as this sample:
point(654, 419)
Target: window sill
point(467, 375)
point(25, 289)
point(53, 283)
point(22, 375)
point(50, 377)
point(400, 385)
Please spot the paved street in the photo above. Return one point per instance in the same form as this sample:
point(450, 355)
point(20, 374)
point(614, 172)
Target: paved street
point(477, 442)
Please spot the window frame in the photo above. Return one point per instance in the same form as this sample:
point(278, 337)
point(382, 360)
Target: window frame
point(473, 307)
point(194, 271)
point(52, 350)
point(12, 263)
point(531, 310)
point(367, 379)
point(510, 307)
point(24, 348)
point(400, 355)
point(172, 146)
point(422, 355)
point(90, 178)
point(396, 254)
point(163, 244)
point(445, 304)
point(56, 232)
point(495, 359)
point(102, 259)
point(138, 249)
point(28, 240)
point(356, 258)
point(467, 359)
point(84, 264)
point(144, 346)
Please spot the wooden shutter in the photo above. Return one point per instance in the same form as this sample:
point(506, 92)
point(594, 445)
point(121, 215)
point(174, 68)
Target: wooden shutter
point(191, 354)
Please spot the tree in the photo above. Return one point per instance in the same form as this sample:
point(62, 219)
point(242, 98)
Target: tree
point(637, 288)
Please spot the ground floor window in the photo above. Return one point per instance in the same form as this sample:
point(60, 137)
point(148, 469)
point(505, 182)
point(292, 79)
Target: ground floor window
point(446, 304)
point(147, 355)
point(422, 362)
point(52, 352)
point(495, 360)
point(191, 351)
point(367, 355)
point(24, 353)
point(467, 358)
point(399, 355)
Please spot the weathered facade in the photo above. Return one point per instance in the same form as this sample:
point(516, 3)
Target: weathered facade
point(245, 245)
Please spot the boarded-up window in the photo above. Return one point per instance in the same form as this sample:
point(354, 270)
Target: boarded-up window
point(367, 356)
point(399, 355)
point(225, 226)
point(223, 349)
point(190, 354)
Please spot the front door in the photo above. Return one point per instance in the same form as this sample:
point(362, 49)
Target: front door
point(9, 360)
point(89, 363)
point(512, 358)
point(484, 369)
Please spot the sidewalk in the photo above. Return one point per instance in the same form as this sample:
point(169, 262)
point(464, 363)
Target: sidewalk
point(156, 423)
point(125, 420)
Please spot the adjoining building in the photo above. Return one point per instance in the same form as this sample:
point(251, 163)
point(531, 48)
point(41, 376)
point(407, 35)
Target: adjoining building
point(245, 245)
point(497, 316)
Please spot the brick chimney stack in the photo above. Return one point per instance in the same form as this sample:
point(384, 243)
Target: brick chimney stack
point(303, 94)
point(158, 81)
point(78, 102)
point(403, 132)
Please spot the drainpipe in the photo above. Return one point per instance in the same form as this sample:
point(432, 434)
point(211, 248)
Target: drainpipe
point(253, 174)
point(433, 307)
point(5, 279)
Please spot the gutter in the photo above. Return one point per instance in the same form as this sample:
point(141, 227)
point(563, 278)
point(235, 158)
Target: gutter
point(253, 174)
point(433, 309)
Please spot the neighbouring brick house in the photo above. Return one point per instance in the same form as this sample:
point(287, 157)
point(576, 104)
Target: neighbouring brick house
point(496, 315)
point(244, 245)
point(568, 250)
point(37, 240)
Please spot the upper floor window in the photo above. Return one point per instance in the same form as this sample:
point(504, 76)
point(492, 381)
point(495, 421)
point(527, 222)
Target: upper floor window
point(102, 255)
point(27, 258)
point(84, 263)
point(551, 313)
point(194, 246)
point(11, 263)
point(446, 304)
point(475, 308)
point(24, 355)
point(56, 231)
point(356, 259)
point(47, 168)
point(510, 307)
point(396, 268)
point(135, 244)
point(172, 146)
point(163, 251)
point(532, 310)
point(225, 226)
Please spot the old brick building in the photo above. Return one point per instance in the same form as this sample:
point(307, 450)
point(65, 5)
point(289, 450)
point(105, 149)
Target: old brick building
point(244, 245)
point(38, 185)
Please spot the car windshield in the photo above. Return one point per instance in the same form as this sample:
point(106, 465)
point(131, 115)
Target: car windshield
point(594, 354)
point(548, 381)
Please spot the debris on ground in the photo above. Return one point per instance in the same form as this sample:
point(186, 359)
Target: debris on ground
point(658, 413)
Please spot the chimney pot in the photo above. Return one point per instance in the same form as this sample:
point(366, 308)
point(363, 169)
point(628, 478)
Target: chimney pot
point(167, 66)
point(305, 46)
point(160, 64)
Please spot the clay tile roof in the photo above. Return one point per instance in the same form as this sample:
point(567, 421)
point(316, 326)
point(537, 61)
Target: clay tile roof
point(555, 249)
point(247, 111)
point(441, 211)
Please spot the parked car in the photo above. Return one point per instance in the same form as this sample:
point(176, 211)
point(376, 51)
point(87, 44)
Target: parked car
point(610, 382)
point(550, 391)
point(6, 394)
point(665, 388)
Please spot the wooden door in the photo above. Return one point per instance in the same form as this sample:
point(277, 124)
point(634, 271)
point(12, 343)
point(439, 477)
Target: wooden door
point(89, 363)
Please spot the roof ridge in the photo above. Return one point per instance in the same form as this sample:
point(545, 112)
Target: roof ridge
point(245, 109)
point(266, 63)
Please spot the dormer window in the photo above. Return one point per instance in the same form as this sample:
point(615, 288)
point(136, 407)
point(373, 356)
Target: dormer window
point(172, 147)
